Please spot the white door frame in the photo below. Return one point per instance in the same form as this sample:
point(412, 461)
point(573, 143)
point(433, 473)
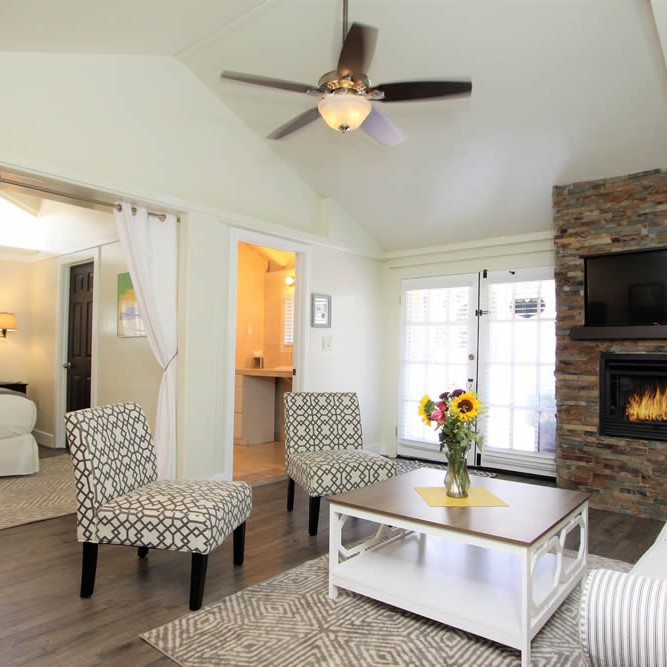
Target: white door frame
point(301, 291)
point(65, 262)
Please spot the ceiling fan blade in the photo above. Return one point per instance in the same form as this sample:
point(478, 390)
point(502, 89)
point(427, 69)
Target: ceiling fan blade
point(404, 91)
point(357, 52)
point(295, 124)
point(267, 82)
point(378, 126)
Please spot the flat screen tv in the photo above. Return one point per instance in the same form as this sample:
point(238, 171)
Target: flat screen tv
point(626, 288)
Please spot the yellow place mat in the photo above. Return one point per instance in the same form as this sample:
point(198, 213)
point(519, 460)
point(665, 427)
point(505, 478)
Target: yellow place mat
point(478, 496)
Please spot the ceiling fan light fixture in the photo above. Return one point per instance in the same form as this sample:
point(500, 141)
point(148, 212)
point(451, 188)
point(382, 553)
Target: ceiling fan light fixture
point(344, 111)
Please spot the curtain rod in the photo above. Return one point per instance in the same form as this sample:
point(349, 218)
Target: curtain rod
point(160, 216)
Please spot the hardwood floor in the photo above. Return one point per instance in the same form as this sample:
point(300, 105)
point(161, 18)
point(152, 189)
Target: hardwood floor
point(44, 622)
point(259, 463)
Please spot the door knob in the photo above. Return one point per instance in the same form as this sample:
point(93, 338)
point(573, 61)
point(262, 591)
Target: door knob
point(67, 364)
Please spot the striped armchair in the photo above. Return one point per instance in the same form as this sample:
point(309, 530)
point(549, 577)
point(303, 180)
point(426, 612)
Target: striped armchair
point(623, 615)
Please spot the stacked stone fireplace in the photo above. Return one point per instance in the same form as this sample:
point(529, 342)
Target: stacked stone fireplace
point(600, 449)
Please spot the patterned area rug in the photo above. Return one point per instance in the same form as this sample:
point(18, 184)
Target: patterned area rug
point(49, 493)
point(290, 620)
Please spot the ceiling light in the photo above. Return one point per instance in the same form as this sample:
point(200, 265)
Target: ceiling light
point(289, 281)
point(344, 111)
point(7, 323)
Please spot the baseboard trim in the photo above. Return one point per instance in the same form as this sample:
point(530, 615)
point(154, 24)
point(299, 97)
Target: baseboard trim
point(45, 439)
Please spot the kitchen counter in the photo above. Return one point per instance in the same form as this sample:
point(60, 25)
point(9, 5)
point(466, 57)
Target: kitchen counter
point(266, 372)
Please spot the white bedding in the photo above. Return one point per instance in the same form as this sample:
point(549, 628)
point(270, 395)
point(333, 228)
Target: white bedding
point(18, 448)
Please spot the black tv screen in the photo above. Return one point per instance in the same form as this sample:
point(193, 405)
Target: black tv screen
point(627, 288)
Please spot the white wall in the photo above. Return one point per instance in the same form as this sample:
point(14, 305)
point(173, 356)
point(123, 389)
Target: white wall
point(143, 126)
point(354, 362)
point(524, 251)
point(15, 298)
point(42, 345)
point(126, 367)
point(203, 335)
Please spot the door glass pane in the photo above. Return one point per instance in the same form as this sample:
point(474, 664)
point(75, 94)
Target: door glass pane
point(497, 427)
point(436, 343)
point(500, 344)
point(517, 365)
point(524, 430)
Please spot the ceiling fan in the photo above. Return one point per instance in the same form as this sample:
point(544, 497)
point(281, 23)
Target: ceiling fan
point(346, 93)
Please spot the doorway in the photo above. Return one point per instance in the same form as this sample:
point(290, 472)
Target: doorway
point(266, 282)
point(79, 336)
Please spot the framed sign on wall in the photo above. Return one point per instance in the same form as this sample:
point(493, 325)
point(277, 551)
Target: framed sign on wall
point(320, 310)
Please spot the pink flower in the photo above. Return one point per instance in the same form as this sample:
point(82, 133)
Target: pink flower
point(438, 415)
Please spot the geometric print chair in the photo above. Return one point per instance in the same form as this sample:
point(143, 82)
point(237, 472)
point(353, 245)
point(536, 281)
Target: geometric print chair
point(120, 500)
point(323, 449)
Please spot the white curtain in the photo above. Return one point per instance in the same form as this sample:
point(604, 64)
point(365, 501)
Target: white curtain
point(150, 247)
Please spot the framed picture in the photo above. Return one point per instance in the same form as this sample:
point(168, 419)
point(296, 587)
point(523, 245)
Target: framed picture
point(129, 322)
point(320, 310)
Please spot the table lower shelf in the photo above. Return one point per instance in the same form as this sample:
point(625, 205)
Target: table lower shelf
point(472, 588)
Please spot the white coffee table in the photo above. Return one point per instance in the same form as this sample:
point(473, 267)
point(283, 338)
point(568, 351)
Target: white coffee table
point(497, 572)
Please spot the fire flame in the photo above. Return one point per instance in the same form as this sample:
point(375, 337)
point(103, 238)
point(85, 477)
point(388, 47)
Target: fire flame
point(651, 405)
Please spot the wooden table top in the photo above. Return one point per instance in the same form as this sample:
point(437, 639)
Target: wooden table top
point(532, 509)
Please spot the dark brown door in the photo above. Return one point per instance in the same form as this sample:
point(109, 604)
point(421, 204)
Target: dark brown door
point(79, 336)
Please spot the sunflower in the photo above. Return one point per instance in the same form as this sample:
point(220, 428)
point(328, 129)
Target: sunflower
point(466, 406)
point(425, 409)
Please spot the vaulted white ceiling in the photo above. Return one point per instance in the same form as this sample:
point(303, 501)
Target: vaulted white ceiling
point(563, 90)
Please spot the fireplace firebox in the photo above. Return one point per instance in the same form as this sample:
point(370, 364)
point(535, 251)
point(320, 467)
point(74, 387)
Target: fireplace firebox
point(633, 395)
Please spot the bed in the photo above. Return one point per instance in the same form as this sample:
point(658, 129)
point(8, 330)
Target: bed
point(18, 448)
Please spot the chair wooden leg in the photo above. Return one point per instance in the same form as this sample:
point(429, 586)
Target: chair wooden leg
point(197, 580)
point(290, 495)
point(142, 552)
point(239, 544)
point(88, 569)
point(313, 515)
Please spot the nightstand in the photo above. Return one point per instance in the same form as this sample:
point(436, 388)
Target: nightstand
point(14, 386)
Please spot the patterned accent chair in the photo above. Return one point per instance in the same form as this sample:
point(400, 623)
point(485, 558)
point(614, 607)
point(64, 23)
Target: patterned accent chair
point(120, 500)
point(323, 449)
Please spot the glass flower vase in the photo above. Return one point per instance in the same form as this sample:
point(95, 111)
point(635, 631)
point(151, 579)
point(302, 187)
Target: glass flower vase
point(457, 479)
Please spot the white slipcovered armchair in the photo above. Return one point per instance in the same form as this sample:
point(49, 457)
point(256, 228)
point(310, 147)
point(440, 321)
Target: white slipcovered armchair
point(623, 615)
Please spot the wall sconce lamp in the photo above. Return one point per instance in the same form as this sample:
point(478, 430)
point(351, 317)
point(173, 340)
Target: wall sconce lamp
point(7, 323)
point(289, 281)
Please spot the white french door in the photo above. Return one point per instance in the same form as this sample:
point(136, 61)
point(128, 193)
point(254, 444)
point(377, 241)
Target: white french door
point(493, 332)
point(439, 343)
point(517, 356)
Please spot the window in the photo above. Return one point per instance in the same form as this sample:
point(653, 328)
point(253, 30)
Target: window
point(288, 320)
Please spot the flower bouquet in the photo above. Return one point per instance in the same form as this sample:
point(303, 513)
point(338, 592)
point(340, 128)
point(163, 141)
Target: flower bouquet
point(455, 416)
